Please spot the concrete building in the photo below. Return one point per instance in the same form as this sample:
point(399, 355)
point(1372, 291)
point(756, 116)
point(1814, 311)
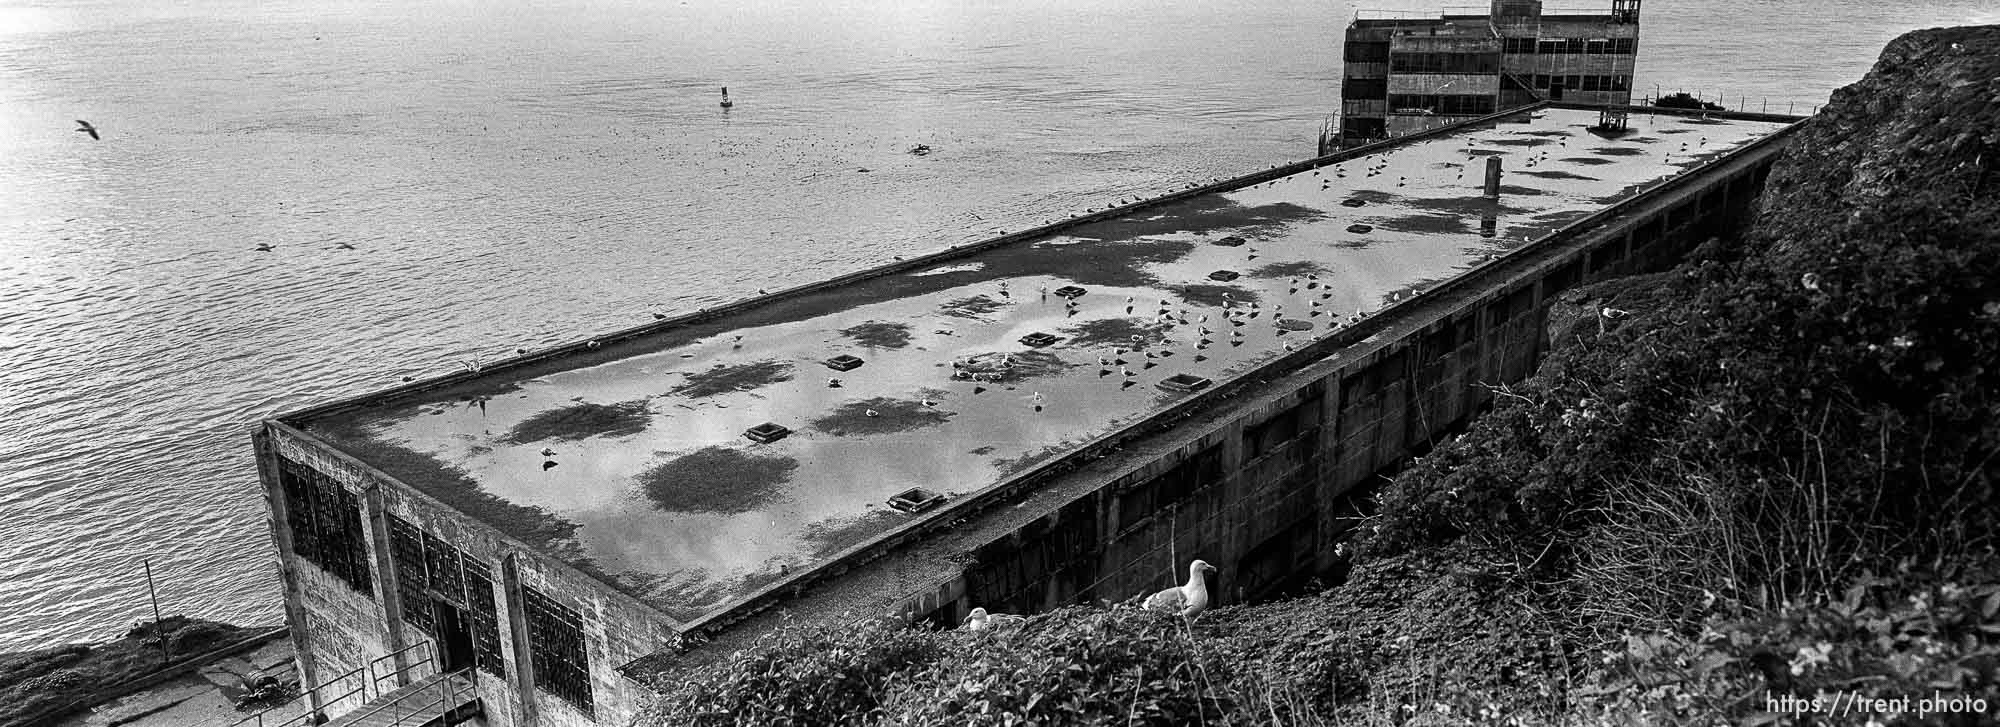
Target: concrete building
point(1060, 415)
point(1406, 72)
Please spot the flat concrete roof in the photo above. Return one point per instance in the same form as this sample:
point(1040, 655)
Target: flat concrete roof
point(629, 461)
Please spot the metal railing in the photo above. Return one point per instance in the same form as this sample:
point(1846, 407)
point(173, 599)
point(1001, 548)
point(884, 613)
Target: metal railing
point(448, 690)
point(367, 681)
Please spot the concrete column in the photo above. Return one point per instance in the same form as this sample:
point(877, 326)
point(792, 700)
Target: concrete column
point(517, 631)
point(281, 534)
point(1493, 177)
point(385, 580)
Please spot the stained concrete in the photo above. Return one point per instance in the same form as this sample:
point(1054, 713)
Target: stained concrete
point(610, 421)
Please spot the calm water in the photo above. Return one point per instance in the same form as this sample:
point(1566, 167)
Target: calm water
point(512, 174)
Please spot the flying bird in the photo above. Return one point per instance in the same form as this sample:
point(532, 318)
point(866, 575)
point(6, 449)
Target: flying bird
point(85, 127)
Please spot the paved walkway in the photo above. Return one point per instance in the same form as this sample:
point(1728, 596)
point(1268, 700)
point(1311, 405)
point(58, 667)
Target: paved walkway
point(203, 699)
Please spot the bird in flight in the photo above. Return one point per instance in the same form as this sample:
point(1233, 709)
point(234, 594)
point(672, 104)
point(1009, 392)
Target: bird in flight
point(85, 127)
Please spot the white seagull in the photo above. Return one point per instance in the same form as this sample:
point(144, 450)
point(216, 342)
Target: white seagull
point(1189, 600)
point(980, 619)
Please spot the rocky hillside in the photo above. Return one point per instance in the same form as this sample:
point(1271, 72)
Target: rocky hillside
point(1776, 477)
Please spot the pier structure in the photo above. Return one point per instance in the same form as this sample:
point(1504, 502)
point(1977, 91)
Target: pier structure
point(1060, 415)
point(1406, 71)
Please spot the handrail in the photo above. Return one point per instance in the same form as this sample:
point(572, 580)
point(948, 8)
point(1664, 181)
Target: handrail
point(447, 689)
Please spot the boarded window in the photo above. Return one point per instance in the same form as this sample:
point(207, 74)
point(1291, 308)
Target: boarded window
point(1358, 89)
point(556, 648)
point(325, 522)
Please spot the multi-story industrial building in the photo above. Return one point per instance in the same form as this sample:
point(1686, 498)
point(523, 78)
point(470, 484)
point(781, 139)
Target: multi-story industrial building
point(1407, 73)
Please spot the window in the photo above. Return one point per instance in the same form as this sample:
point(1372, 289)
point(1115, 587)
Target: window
point(1593, 83)
point(1624, 46)
point(1171, 487)
point(325, 521)
point(1619, 83)
point(1596, 46)
point(1366, 51)
point(406, 547)
point(1449, 105)
point(430, 571)
point(556, 648)
point(1283, 427)
point(1364, 128)
point(1551, 47)
point(1516, 46)
point(1360, 89)
point(1445, 63)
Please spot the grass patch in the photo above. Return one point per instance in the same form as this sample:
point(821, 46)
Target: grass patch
point(1558, 174)
point(66, 677)
point(1619, 151)
point(1204, 215)
point(739, 377)
point(581, 421)
point(879, 334)
point(716, 479)
point(892, 415)
point(1586, 161)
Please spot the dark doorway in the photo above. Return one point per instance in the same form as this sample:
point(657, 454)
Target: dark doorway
point(454, 639)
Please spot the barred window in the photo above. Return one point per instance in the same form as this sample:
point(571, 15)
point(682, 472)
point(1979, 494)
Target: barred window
point(325, 521)
point(556, 648)
point(430, 571)
point(485, 619)
point(1283, 427)
point(1170, 487)
point(406, 546)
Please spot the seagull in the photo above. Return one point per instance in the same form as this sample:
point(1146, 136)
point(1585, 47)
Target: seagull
point(344, 245)
point(1614, 313)
point(548, 452)
point(263, 247)
point(832, 383)
point(979, 619)
point(871, 412)
point(85, 127)
point(1189, 600)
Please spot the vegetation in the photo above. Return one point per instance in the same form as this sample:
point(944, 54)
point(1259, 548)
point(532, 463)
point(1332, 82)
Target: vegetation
point(67, 677)
point(1683, 100)
point(1771, 476)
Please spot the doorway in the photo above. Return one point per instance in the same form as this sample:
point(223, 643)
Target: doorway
point(454, 639)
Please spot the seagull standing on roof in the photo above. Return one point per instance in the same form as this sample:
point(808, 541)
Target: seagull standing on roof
point(1188, 600)
point(85, 127)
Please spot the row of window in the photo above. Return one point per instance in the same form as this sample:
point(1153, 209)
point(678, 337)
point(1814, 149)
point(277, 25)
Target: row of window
point(1445, 63)
point(1364, 89)
point(1583, 83)
point(1366, 52)
point(1571, 46)
point(1448, 105)
point(324, 519)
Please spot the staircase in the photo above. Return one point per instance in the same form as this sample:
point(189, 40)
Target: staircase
point(439, 700)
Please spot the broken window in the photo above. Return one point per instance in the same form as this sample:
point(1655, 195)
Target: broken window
point(325, 522)
point(430, 571)
point(556, 648)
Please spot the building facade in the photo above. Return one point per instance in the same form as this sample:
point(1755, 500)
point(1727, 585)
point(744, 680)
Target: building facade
point(1405, 74)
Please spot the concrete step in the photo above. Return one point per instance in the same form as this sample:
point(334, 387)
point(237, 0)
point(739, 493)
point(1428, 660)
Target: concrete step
point(439, 700)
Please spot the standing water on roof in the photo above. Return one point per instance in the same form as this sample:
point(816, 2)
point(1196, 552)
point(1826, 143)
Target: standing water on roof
point(437, 184)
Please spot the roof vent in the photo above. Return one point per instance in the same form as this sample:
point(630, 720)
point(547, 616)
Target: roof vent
point(1069, 291)
point(1039, 339)
point(1183, 382)
point(766, 433)
point(1224, 276)
point(844, 362)
point(915, 500)
point(1360, 229)
point(1231, 241)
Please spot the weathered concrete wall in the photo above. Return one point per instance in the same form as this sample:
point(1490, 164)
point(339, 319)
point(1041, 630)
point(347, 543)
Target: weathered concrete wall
point(344, 630)
point(1264, 493)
